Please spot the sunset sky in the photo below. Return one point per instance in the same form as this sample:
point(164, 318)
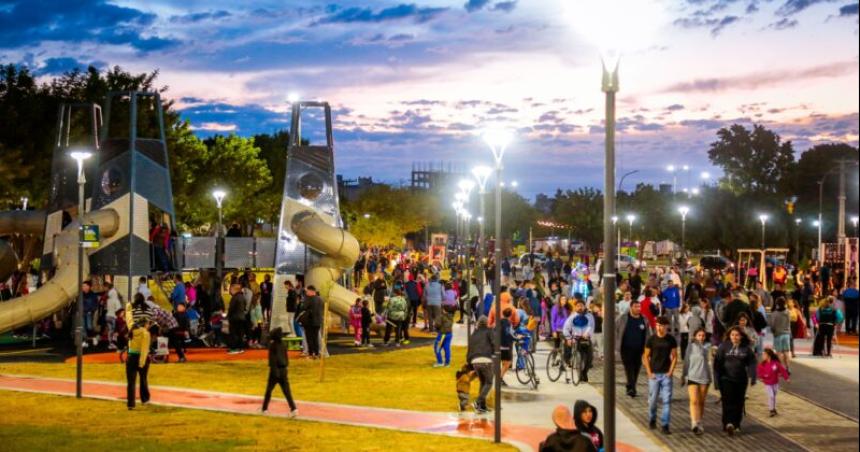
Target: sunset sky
point(418, 81)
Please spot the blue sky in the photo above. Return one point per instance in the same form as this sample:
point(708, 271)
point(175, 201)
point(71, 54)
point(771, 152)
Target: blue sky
point(417, 81)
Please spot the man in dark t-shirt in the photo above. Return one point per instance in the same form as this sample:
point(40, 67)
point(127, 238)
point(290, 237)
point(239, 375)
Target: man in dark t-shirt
point(660, 357)
point(631, 332)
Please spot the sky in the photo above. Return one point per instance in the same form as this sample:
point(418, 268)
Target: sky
point(418, 82)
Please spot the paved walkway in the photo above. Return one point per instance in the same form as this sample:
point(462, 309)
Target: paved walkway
point(524, 437)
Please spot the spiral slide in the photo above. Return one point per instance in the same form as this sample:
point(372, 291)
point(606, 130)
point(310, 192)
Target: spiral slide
point(340, 251)
point(63, 287)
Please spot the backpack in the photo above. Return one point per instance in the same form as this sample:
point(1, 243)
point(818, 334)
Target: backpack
point(827, 316)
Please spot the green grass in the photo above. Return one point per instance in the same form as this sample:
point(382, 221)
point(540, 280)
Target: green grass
point(399, 379)
point(34, 422)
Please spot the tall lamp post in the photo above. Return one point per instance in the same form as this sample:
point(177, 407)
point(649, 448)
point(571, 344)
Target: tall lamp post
point(684, 210)
point(630, 219)
point(671, 170)
point(763, 218)
point(482, 175)
point(219, 195)
point(798, 255)
point(498, 141)
point(80, 156)
point(854, 221)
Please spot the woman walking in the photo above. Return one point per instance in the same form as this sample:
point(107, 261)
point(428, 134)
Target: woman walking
point(697, 377)
point(278, 362)
point(798, 325)
point(734, 368)
point(444, 334)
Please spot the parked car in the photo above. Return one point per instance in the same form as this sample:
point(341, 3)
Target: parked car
point(715, 263)
point(623, 262)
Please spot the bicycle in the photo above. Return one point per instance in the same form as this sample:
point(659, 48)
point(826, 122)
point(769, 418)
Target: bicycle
point(576, 366)
point(525, 368)
point(555, 364)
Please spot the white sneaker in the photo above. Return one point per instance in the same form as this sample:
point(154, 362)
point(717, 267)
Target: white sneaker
point(293, 414)
point(85, 344)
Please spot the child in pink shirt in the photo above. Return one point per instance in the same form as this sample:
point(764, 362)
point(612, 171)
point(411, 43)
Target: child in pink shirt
point(769, 371)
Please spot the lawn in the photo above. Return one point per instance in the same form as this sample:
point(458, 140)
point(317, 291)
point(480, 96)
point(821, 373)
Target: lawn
point(47, 422)
point(401, 379)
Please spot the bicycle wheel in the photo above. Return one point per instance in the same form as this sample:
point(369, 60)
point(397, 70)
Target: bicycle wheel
point(575, 367)
point(553, 365)
point(530, 367)
point(522, 371)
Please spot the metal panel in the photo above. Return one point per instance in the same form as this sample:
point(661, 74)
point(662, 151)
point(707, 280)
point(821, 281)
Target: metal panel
point(265, 253)
point(198, 252)
point(239, 252)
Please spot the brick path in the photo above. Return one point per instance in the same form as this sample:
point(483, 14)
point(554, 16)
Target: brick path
point(800, 426)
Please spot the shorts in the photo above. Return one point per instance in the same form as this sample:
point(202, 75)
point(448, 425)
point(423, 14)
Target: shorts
point(782, 343)
point(507, 355)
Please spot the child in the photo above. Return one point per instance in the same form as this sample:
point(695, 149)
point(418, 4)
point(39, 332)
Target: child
point(366, 320)
point(769, 371)
point(278, 364)
point(355, 320)
point(464, 384)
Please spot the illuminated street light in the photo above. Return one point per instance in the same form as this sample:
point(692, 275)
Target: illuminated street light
point(498, 141)
point(80, 155)
point(615, 26)
point(763, 218)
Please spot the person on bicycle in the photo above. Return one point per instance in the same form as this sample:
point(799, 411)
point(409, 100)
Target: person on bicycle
point(579, 328)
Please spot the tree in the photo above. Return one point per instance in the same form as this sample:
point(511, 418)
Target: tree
point(384, 215)
point(752, 161)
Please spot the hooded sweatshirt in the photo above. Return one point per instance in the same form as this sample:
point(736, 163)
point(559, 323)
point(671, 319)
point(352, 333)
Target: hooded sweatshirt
point(589, 430)
point(566, 441)
point(507, 302)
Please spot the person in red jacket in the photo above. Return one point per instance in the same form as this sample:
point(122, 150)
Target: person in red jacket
point(769, 371)
point(650, 307)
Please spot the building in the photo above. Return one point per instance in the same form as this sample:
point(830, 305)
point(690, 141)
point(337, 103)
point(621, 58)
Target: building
point(435, 176)
point(350, 189)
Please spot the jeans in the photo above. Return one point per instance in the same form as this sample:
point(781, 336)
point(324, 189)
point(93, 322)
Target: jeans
point(278, 377)
point(435, 311)
point(400, 328)
point(313, 338)
point(632, 360)
point(443, 343)
point(771, 391)
point(110, 322)
point(88, 322)
point(674, 316)
point(132, 370)
point(660, 386)
point(851, 315)
point(485, 376)
point(291, 330)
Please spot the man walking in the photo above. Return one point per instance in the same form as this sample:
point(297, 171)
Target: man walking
point(236, 317)
point(672, 305)
point(480, 356)
point(632, 332)
point(660, 357)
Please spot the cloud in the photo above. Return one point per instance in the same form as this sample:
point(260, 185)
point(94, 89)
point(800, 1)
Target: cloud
point(849, 10)
point(783, 24)
point(367, 15)
point(29, 23)
point(57, 66)
point(675, 107)
point(215, 127)
point(199, 17)
point(505, 6)
point(423, 102)
point(716, 25)
point(475, 5)
point(760, 79)
point(792, 7)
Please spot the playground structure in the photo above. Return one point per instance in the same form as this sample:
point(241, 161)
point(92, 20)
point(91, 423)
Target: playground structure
point(842, 257)
point(128, 186)
point(749, 257)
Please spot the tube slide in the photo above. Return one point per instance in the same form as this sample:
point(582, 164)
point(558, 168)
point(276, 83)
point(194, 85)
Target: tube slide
point(63, 287)
point(28, 222)
point(341, 250)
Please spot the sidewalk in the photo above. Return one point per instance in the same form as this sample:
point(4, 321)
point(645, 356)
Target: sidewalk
point(524, 437)
point(534, 408)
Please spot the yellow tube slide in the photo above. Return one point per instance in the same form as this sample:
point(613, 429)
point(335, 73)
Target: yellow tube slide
point(340, 251)
point(63, 287)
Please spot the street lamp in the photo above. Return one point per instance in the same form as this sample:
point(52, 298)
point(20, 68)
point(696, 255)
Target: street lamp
point(684, 210)
point(219, 195)
point(615, 26)
point(630, 219)
point(706, 177)
point(482, 175)
point(24, 201)
point(854, 221)
point(763, 218)
point(671, 170)
point(498, 141)
point(80, 156)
